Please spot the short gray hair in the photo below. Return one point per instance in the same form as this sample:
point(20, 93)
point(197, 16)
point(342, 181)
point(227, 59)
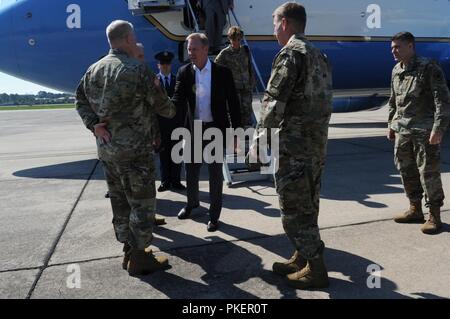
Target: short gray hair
point(118, 30)
point(199, 36)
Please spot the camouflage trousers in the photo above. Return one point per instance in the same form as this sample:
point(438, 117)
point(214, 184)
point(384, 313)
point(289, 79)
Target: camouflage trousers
point(131, 187)
point(419, 165)
point(245, 100)
point(298, 184)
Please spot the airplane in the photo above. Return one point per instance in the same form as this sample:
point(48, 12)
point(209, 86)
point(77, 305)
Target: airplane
point(53, 42)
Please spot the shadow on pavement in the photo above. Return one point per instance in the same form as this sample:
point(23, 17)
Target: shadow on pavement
point(350, 177)
point(232, 271)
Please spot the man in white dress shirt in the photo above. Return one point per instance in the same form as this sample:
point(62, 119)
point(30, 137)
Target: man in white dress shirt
point(205, 91)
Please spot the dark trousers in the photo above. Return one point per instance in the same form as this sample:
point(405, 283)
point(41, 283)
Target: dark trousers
point(215, 22)
point(215, 185)
point(170, 171)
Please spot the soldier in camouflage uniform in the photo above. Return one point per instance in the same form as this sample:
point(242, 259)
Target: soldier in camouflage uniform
point(115, 100)
point(298, 103)
point(154, 124)
point(419, 113)
point(237, 59)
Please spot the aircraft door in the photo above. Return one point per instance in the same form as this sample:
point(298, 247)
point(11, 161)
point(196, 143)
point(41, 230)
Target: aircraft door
point(142, 7)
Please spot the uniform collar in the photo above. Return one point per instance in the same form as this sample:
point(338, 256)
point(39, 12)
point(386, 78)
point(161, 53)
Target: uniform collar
point(411, 65)
point(117, 52)
point(164, 76)
point(297, 36)
point(235, 50)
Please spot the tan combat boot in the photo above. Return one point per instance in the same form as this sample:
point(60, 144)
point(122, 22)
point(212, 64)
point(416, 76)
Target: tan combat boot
point(159, 221)
point(314, 275)
point(413, 215)
point(126, 255)
point(143, 262)
point(296, 263)
point(433, 223)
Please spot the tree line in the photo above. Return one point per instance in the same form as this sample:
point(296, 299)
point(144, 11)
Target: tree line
point(35, 99)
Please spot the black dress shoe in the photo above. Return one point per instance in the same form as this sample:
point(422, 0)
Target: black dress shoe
point(164, 187)
point(185, 212)
point(178, 186)
point(212, 226)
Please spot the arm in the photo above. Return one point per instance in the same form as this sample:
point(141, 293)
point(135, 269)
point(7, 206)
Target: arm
point(232, 98)
point(392, 109)
point(252, 77)
point(155, 131)
point(441, 97)
point(88, 115)
point(180, 97)
point(285, 73)
point(220, 59)
point(84, 108)
point(156, 97)
point(251, 70)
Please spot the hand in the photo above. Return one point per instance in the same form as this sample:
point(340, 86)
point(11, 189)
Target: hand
point(237, 146)
point(435, 138)
point(101, 132)
point(251, 159)
point(391, 135)
point(156, 143)
point(252, 154)
point(157, 82)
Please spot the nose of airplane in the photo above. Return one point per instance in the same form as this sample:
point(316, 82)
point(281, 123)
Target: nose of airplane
point(8, 62)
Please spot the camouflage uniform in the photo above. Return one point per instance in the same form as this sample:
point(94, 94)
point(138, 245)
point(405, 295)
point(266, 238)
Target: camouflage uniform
point(298, 101)
point(120, 91)
point(238, 61)
point(419, 105)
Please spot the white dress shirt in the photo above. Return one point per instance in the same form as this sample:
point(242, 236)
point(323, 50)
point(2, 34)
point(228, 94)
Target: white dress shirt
point(203, 93)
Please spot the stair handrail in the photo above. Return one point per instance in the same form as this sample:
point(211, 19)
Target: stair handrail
point(192, 14)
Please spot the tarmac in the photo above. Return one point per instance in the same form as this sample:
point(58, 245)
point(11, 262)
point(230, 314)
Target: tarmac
point(57, 239)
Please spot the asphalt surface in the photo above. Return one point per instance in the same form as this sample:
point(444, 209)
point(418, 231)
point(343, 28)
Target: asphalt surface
point(55, 223)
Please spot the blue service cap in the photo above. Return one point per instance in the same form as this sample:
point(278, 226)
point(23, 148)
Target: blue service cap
point(164, 57)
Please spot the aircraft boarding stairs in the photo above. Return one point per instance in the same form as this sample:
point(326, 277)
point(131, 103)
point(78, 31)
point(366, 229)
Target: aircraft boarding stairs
point(141, 7)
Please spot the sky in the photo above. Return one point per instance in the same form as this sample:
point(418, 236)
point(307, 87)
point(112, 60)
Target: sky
point(12, 85)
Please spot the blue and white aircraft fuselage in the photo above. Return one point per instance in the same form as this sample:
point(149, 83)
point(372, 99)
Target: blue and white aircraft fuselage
point(52, 42)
